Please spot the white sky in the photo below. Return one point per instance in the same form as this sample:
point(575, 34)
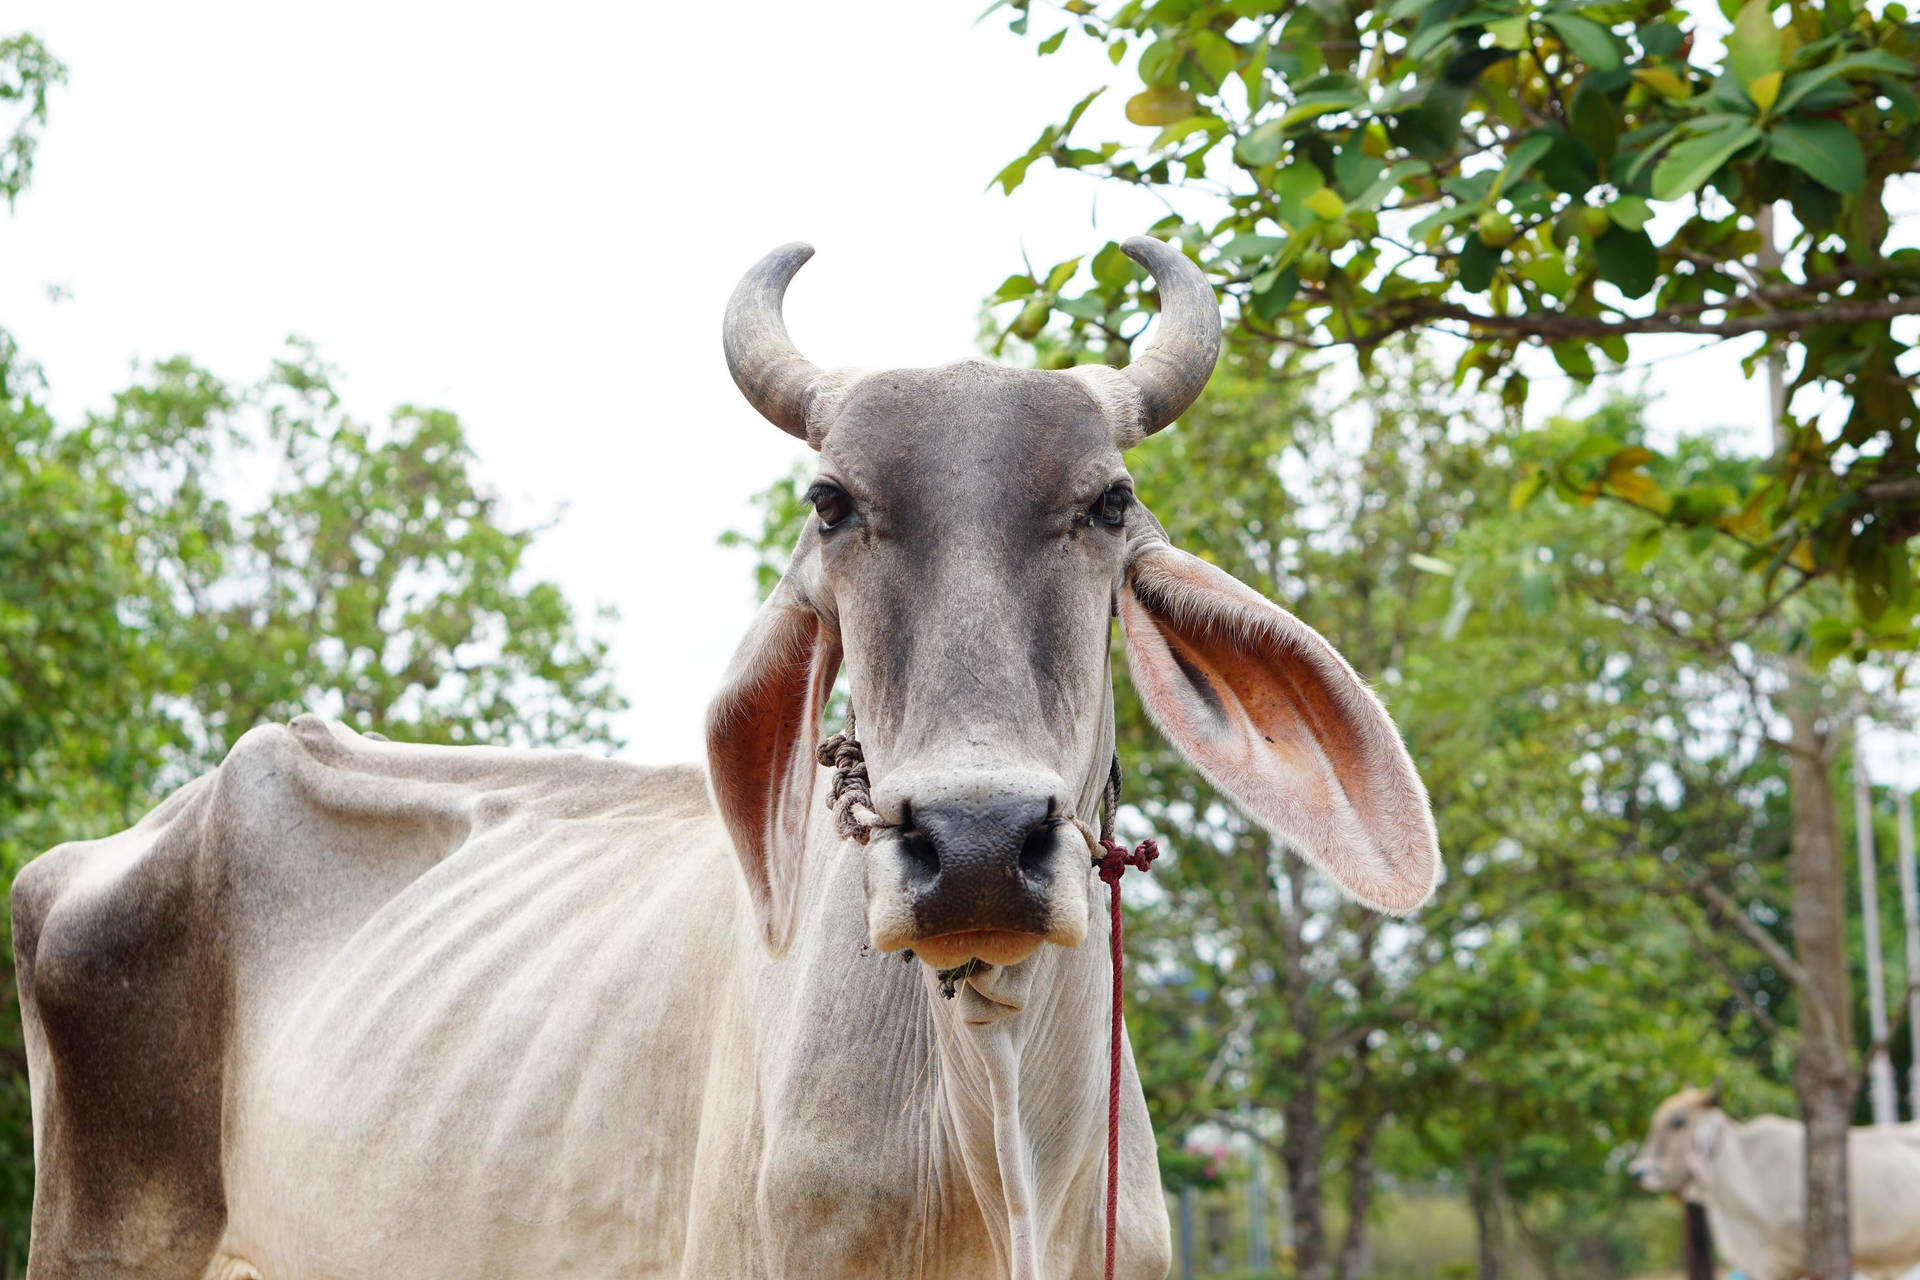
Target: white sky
point(535, 222)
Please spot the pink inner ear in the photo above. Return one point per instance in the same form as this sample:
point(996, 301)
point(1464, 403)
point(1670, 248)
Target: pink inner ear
point(762, 732)
point(1274, 717)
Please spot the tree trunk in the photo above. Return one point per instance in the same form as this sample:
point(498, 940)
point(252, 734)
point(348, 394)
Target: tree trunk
point(1486, 1215)
point(1353, 1247)
point(1302, 1148)
point(1822, 1070)
point(1303, 1143)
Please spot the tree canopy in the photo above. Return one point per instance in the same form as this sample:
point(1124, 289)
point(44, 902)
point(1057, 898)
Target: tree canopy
point(1566, 177)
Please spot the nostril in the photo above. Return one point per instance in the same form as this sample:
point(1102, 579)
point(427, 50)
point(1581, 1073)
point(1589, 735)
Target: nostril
point(922, 859)
point(1036, 852)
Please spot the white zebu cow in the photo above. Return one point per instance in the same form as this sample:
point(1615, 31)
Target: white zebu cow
point(1751, 1177)
point(344, 1008)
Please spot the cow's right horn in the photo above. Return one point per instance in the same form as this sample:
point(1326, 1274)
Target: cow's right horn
point(766, 366)
point(1170, 374)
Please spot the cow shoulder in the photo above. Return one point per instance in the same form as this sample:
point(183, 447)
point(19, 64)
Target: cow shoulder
point(124, 996)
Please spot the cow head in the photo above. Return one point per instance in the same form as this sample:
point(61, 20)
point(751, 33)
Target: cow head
point(1683, 1131)
point(976, 531)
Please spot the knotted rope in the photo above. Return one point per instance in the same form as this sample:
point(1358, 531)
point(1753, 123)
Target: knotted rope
point(850, 797)
point(1113, 864)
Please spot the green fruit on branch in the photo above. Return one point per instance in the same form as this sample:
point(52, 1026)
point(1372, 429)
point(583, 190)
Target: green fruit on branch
point(1032, 319)
point(1494, 228)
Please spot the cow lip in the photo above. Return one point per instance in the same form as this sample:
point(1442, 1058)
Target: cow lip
point(999, 947)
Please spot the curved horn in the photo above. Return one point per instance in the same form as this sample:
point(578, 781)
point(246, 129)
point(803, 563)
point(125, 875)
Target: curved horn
point(1171, 373)
point(766, 366)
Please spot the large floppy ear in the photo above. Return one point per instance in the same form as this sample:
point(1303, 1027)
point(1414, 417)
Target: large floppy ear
point(762, 732)
point(1276, 719)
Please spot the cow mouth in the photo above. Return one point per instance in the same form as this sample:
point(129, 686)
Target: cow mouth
point(999, 947)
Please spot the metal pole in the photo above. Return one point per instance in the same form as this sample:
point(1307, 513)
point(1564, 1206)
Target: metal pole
point(1258, 1259)
point(1880, 1086)
point(1910, 907)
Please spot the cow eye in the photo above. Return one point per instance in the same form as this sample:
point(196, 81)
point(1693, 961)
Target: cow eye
point(1111, 509)
point(1678, 1122)
point(831, 504)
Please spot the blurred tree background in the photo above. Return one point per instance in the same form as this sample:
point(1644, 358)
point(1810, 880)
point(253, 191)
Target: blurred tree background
point(195, 559)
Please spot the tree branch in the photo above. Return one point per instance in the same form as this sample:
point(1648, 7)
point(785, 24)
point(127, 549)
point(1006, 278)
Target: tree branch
point(1558, 325)
point(1766, 943)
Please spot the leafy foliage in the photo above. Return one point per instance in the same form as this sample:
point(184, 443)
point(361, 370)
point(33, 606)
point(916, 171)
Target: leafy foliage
point(27, 72)
point(1561, 176)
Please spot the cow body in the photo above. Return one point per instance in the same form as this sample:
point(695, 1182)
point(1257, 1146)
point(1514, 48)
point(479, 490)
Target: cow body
point(348, 1009)
point(1751, 1179)
point(459, 1012)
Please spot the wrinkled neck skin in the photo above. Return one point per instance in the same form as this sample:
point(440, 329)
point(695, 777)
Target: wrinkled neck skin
point(946, 1137)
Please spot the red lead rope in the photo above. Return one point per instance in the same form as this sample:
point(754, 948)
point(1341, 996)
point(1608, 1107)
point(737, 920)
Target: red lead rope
point(1112, 866)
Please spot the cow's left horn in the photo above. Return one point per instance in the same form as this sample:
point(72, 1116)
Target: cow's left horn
point(766, 366)
point(1171, 373)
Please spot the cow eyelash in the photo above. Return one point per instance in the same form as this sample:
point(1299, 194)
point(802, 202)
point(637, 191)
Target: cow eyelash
point(831, 504)
point(1110, 508)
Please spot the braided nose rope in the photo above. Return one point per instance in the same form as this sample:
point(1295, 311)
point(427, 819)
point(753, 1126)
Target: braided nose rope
point(850, 796)
point(1113, 864)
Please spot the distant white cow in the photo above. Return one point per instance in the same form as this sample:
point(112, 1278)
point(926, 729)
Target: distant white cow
point(1751, 1178)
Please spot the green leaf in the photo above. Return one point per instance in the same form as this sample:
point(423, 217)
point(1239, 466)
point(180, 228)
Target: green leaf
point(1643, 548)
point(1261, 145)
point(1112, 268)
point(1682, 170)
point(1251, 246)
point(1061, 273)
point(1631, 212)
point(1182, 129)
point(1660, 39)
point(1824, 150)
point(1477, 261)
point(1354, 169)
point(1574, 359)
point(1528, 152)
point(1830, 638)
point(1013, 287)
point(1569, 166)
point(1052, 42)
point(1627, 260)
point(1272, 295)
point(1509, 33)
point(1594, 117)
point(1218, 56)
point(1013, 175)
point(1801, 84)
point(1592, 43)
point(1753, 49)
point(1309, 106)
point(1079, 109)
